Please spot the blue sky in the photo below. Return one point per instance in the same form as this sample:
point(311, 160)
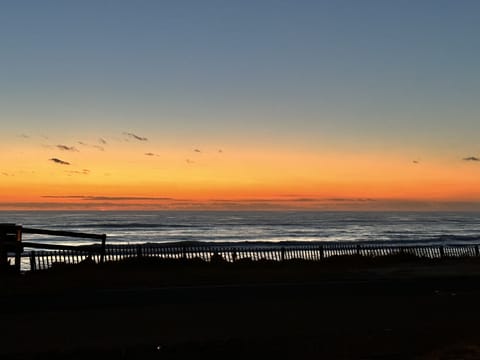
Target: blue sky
point(361, 66)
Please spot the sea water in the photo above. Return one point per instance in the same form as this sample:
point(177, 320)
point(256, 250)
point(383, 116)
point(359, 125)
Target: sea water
point(121, 227)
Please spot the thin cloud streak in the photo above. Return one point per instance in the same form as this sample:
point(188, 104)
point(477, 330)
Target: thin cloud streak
point(59, 161)
point(98, 147)
point(136, 137)
point(79, 172)
point(295, 200)
point(108, 198)
point(66, 148)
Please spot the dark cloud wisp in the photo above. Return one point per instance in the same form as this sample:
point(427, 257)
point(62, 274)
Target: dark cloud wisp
point(59, 161)
point(134, 136)
point(98, 147)
point(471, 158)
point(66, 148)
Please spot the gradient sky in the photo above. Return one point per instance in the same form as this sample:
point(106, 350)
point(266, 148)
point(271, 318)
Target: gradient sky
point(366, 105)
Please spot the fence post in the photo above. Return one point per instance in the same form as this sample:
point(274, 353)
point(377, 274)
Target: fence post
point(184, 252)
point(442, 252)
point(358, 249)
point(102, 254)
point(477, 252)
point(33, 262)
point(139, 250)
point(283, 254)
point(322, 255)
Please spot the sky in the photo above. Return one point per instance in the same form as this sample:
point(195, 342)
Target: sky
point(240, 105)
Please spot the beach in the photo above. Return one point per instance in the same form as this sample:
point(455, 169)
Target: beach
point(356, 309)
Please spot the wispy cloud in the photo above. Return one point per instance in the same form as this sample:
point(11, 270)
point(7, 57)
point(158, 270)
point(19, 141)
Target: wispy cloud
point(24, 136)
point(297, 199)
point(471, 158)
point(188, 161)
point(59, 161)
point(66, 148)
point(350, 199)
point(98, 147)
point(150, 154)
point(136, 137)
point(108, 198)
point(102, 141)
point(79, 172)
point(197, 150)
point(415, 161)
point(5, 174)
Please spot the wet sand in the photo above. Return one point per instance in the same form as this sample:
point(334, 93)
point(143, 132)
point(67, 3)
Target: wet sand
point(342, 309)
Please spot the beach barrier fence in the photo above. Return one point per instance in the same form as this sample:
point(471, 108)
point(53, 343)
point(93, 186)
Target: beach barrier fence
point(45, 259)
point(41, 256)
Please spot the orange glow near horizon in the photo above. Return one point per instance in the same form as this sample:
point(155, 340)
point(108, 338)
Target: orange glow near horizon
point(260, 178)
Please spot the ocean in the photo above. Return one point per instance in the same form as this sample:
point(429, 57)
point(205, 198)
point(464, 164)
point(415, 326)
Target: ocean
point(409, 228)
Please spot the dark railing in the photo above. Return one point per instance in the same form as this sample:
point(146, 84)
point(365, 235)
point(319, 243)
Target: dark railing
point(12, 246)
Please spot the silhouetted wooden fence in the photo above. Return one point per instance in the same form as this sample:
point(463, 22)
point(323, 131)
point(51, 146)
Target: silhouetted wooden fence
point(64, 253)
point(12, 248)
point(209, 252)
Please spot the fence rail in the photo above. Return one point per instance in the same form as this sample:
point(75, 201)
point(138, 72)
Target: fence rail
point(316, 252)
point(12, 248)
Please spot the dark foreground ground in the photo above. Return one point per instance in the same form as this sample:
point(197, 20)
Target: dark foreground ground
point(395, 308)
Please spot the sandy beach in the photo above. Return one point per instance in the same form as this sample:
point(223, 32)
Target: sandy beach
point(361, 309)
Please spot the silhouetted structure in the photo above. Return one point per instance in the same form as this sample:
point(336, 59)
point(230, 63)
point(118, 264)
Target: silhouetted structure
point(10, 243)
